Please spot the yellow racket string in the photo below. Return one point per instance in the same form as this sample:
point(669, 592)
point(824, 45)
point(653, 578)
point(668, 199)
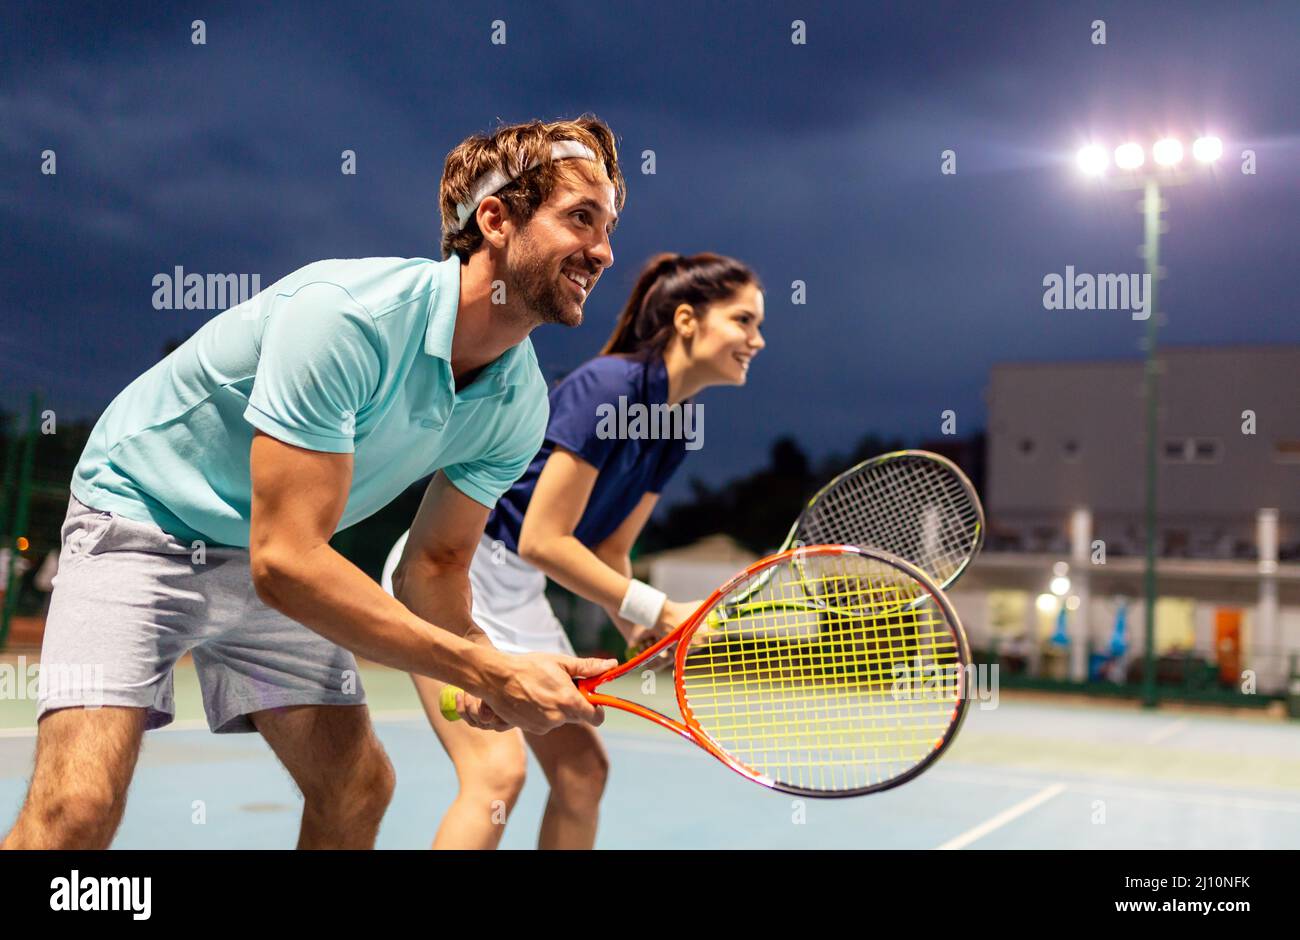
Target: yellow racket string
point(837, 674)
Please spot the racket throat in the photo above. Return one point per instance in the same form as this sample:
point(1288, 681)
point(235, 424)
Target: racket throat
point(663, 721)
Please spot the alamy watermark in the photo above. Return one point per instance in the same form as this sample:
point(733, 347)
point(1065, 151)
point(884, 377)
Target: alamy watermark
point(924, 681)
point(1098, 292)
point(79, 682)
point(76, 892)
point(181, 291)
point(641, 422)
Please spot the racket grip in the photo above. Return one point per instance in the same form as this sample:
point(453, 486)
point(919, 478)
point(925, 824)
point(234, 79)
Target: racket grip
point(447, 703)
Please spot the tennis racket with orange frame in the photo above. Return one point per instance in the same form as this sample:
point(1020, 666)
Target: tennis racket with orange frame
point(842, 672)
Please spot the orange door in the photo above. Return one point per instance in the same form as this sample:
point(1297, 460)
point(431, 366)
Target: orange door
point(1227, 644)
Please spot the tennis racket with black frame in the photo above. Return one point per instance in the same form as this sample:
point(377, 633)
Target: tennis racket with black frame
point(915, 504)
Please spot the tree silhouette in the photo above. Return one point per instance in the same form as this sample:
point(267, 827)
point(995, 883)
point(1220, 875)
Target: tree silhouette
point(757, 510)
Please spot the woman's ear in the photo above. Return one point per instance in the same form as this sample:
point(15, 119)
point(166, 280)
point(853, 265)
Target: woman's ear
point(684, 321)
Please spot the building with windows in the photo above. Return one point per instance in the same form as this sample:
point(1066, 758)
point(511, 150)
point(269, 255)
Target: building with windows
point(1059, 586)
point(1067, 435)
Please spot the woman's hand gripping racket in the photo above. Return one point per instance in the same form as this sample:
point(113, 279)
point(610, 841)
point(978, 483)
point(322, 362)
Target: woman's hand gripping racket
point(911, 503)
point(843, 674)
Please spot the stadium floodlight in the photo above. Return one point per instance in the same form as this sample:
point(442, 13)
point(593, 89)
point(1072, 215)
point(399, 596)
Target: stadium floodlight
point(1207, 149)
point(1093, 160)
point(1167, 152)
point(1129, 156)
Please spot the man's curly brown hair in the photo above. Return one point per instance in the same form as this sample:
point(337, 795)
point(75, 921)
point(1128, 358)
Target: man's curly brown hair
point(509, 147)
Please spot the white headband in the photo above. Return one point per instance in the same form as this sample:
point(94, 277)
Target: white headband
point(493, 180)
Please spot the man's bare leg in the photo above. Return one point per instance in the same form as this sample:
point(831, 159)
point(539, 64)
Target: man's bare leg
point(85, 758)
point(339, 765)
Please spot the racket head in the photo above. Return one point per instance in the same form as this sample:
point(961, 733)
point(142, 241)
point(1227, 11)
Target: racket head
point(804, 696)
point(913, 504)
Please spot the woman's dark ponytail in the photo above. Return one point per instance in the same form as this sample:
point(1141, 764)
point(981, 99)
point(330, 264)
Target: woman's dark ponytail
point(666, 282)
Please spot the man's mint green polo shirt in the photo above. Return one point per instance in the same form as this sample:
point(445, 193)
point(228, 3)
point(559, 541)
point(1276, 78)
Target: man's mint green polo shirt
point(346, 357)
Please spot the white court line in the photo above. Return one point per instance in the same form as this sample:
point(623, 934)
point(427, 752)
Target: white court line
point(1105, 788)
point(1203, 799)
point(1004, 817)
point(400, 714)
point(1167, 731)
point(200, 724)
point(648, 744)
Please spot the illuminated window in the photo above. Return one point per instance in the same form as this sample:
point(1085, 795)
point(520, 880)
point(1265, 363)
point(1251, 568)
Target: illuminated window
point(1287, 451)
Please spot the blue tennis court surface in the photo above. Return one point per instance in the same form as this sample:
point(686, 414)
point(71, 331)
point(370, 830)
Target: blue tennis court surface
point(1030, 773)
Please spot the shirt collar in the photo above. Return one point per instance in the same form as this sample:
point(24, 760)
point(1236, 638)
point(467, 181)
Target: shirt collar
point(510, 367)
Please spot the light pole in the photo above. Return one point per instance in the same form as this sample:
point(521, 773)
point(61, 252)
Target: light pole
point(1167, 155)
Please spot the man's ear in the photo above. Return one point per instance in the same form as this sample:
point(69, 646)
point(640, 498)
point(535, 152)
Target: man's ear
point(493, 221)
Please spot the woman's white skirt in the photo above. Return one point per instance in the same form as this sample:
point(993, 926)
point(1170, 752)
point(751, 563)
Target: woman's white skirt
point(510, 603)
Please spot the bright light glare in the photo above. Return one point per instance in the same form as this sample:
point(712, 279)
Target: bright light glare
point(1129, 156)
point(1093, 160)
point(1207, 149)
point(1060, 569)
point(1060, 586)
point(1072, 602)
point(1167, 152)
point(1046, 603)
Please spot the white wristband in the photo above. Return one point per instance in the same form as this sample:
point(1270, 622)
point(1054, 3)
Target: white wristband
point(642, 604)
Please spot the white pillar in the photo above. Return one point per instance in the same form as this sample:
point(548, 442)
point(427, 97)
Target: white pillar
point(1081, 619)
point(1266, 645)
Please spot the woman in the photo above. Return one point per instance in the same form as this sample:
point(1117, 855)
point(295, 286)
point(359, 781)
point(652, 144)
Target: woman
point(690, 323)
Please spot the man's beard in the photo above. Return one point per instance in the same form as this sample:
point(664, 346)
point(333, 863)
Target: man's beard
point(540, 292)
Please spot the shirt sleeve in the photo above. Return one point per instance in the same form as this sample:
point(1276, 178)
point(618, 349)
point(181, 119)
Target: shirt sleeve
point(585, 408)
point(319, 364)
point(486, 479)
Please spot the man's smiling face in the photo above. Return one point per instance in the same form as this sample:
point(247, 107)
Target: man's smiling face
point(554, 261)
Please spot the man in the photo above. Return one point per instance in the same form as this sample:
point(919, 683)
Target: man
point(207, 494)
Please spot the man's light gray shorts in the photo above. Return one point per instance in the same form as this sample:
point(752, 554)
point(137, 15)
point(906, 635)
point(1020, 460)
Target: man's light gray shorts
point(130, 600)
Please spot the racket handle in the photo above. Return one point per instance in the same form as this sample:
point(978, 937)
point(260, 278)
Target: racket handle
point(447, 703)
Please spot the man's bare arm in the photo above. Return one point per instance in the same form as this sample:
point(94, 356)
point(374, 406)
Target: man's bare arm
point(432, 578)
point(298, 499)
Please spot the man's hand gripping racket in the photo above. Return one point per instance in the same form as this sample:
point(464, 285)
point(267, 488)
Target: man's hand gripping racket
point(844, 673)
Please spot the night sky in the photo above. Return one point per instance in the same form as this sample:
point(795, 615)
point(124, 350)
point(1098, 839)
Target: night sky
point(816, 162)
